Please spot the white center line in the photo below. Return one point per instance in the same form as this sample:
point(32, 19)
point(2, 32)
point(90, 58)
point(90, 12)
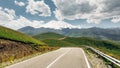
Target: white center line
point(88, 65)
point(57, 59)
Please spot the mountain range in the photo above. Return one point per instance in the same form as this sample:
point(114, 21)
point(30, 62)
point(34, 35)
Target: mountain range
point(94, 32)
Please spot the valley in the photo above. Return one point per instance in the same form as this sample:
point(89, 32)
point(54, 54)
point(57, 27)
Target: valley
point(59, 33)
point(15, 45)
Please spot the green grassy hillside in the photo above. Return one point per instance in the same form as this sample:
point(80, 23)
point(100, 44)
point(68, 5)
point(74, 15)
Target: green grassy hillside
point(92, 42)
point(109, 47)
point(15, 45)
point(48, 35)
point(6, 33)
point(57, 43)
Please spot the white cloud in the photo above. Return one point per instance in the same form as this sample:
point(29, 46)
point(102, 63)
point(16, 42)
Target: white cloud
point(116, 19)
point(37, 24)
point(58, 15)
point(59, 25)
point(38, 7)
point(22, 22)
point(19, 3)
point(6, 14)
point(97, 21)
point(7, 19)
point(92, 10)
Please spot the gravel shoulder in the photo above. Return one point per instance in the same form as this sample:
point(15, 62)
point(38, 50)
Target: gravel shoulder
point(95, 61)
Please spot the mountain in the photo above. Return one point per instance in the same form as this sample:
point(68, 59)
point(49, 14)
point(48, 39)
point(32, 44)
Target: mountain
point(34, 31)
point(98, 33)
point(14, 45)
point(48, 35)
point(59, 25)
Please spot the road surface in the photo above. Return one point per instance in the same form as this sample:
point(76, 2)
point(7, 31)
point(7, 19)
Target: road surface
point(61, 58)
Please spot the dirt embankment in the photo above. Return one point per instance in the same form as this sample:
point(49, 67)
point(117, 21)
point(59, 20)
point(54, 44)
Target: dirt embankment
point(10, 50)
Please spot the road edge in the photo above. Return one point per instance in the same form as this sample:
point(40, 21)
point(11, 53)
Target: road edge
point(88, 65)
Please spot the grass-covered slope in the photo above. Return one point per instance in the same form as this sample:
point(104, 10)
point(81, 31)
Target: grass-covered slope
point(109, 47)
point(14, 45)
point(57, 43)
point(92, 42)
point(6, 33)
point(48, 35)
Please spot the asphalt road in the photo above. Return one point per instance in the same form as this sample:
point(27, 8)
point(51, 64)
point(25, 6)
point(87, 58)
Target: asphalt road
point(61, 58)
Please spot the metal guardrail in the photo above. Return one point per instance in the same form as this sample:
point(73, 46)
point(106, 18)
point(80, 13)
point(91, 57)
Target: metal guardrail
point(111, 59)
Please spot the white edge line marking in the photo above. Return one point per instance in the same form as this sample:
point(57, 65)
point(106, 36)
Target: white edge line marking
point(86, 59)
point(57, 59)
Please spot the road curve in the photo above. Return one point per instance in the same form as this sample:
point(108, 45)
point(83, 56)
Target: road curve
point(61, 58)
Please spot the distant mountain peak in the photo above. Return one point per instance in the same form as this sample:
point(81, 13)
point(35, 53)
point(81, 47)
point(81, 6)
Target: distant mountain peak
point(100, 33)
point(59, 25)
point(28, 27)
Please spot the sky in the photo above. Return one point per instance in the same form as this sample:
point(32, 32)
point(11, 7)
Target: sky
point(58, 14)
